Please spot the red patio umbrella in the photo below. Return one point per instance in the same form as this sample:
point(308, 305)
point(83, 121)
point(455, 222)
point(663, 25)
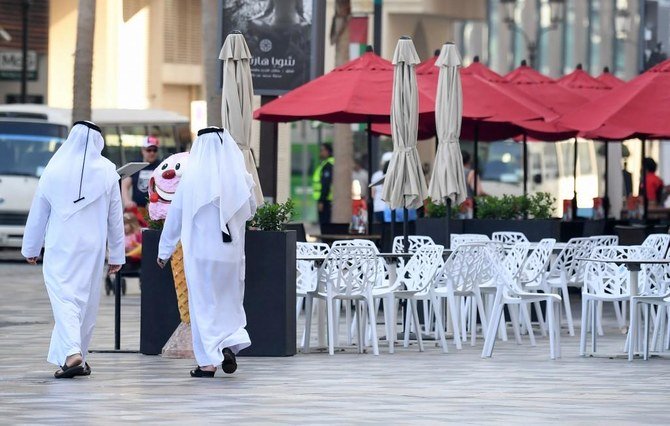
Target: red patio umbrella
point(490, 105)
point(356, 92)
point(581, 82)
point(610, 79)
point(638, 108)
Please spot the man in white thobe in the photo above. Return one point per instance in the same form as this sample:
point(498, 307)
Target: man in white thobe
point(76, 213)
point(209, 213)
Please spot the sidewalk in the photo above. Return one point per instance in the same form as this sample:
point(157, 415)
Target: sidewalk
point(518, 385)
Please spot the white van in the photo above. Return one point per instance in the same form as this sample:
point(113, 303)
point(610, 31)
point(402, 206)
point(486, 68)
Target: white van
point(30, 134)
point(550, 169)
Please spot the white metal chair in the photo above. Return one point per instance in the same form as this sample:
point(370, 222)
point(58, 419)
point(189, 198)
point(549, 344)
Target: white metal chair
point(307, 273)
point(659, 243)
point(604, 240)
point(414, 282)
point(655, 295)
point(510, 292)
point(509, 237)
point(564, 272)
point(459, 278)
point(532, 274)
point(456, 240)
point(349, 273)
point(607, 282)
point(415, 242)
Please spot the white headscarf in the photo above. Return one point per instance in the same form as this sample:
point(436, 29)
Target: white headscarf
point(78, 174)
point(216, 174)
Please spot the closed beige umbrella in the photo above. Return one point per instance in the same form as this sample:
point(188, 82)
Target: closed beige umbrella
point(237, 98)
point(404, 184)
point(448, 179)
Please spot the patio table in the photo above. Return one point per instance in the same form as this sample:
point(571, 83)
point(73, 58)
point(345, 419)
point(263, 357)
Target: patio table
point(634, 266)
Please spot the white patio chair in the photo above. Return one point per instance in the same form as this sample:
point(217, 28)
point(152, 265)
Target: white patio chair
point(532, 274)
point(511, 259)
point(509, 237)
point(456, 240)
point(607, 282)
point(307, 273)
point(349, 273)
point(459, 278)
point(415, 242)
point(382, 281)
point(564, 273)
point(655, 295)
point(659, 243)
point(414, 282)
point(510, 292)
point(604, 240)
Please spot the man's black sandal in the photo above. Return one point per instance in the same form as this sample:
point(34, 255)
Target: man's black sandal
point(66, 372)
point(229, 364)
point(198, 372)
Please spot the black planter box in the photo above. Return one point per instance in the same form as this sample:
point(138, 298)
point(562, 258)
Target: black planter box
point(436, 228)
point(269, 295)
point(159, 314)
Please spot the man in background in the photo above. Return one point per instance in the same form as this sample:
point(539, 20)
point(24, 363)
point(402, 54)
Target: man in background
point(135, 189)
point(322, 183)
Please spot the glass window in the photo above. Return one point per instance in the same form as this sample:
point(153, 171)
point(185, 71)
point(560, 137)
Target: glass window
point(569, 37)
point(112, 145)
point(586, 166)
point(493, 33)
point(26, 155)
point(595, 37)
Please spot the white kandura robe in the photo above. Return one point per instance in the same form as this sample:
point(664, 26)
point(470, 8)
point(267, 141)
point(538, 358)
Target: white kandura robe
point(215, 270)
point(74, 258)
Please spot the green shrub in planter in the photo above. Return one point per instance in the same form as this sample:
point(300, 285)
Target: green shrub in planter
point(272, 216)
point(439, 209)
point(542, 205)
point(536, 206)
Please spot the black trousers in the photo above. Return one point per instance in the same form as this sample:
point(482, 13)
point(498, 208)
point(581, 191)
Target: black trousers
point(325, 213)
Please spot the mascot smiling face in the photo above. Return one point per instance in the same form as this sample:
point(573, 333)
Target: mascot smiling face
point(163, 184)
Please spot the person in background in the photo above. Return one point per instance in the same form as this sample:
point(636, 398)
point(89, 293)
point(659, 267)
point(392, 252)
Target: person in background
point(361, 175)
point(133, 236)
point(654, 185)
point(470, 177)
point(322, 183)
point(377, 203)
point(627, 181)
point(135, 189)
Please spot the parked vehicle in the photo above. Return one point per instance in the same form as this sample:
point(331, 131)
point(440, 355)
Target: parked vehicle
point(30, 134)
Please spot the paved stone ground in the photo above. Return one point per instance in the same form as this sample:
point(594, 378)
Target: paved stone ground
point(518, 385)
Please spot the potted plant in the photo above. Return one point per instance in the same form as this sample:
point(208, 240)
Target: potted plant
point(434, 223)
point(269, 296)
point(532, 215)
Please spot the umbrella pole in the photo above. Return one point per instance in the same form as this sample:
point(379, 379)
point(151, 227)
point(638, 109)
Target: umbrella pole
point(606, 197)
point(369, 190)
point(405, 229)
point(574, 182)
point(447, 203)
point(476, 167)
point(525, 169)
point(392, 227)
point(643, 179)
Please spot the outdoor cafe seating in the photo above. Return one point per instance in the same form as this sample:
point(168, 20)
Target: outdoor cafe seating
point(481, 286)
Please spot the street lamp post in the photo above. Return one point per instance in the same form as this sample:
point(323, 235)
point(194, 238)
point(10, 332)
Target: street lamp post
point(557, 10)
